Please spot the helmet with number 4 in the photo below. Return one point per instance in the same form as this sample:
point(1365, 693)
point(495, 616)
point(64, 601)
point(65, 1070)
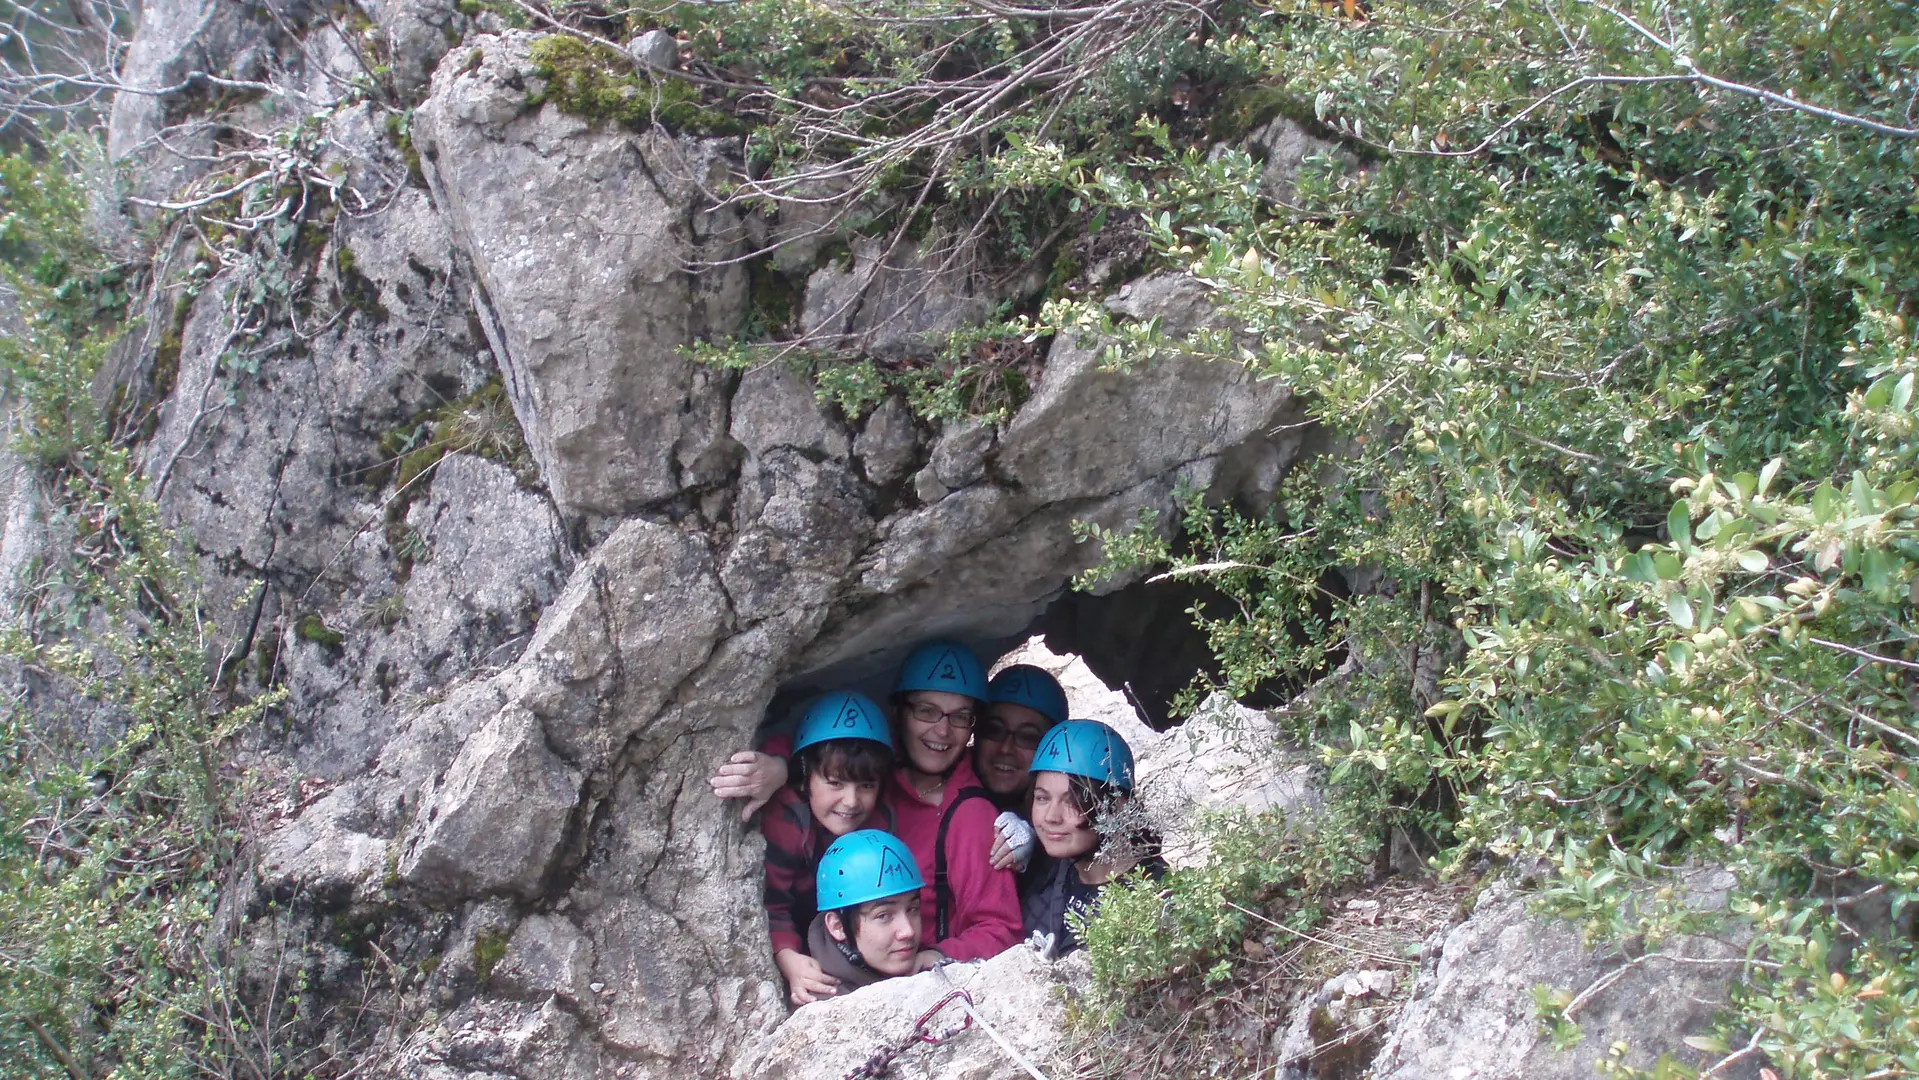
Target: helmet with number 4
point(1086, 748)
point(842, 714)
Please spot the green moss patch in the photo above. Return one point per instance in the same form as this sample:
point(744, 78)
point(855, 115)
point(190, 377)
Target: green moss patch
point(600, 84)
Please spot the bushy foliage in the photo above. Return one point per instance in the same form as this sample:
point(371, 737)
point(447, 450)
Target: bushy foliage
point(1623, 372)
point(114, 808)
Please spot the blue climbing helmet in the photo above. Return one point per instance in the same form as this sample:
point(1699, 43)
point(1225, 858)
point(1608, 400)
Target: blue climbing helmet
point(1086, 748)
point(1024, 684)
point(865, 865)
point(943, 665)
point(842, 714)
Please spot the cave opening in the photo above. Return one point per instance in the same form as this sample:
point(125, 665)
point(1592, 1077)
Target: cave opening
point(1139, 642)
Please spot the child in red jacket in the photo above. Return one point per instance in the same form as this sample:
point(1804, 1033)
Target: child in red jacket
point(842, 758)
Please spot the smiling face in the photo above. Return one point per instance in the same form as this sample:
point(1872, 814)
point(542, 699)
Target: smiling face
point(936, 726)
point(887, 932)
point(839, 804)
point(1003, 746)
point(1063, 830)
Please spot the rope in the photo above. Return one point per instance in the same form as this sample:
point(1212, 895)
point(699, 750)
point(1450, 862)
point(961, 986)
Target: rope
point(966, 1002)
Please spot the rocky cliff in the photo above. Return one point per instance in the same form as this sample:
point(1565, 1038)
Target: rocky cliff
point(527, 572)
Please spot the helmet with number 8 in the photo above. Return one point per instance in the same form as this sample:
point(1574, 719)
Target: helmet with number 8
point(842, 714)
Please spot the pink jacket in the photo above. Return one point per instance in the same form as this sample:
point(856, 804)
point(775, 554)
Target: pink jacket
point(984, 916)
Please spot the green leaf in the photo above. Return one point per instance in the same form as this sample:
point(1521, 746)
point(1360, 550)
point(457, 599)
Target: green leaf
point(1879, 394)
point(1639, 567)
point(1769, 473)
point(1679, 524)
point(1825, 502)
point(1753, 562)
point(1680, 609)
point(1902, 393)
point(1668, 566)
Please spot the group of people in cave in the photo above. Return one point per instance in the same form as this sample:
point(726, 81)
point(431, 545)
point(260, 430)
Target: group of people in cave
point(966, 816)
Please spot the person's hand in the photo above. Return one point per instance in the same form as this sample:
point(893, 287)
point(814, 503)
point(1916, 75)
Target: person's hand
point(1013, 842)
point(927, 960)
point(803, 975)
point(752, 776)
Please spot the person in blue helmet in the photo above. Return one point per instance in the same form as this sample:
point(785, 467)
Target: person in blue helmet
point(943, 811)
point(1023, 703)
point(869, 925)
point(1082, 776)
point(842, 758)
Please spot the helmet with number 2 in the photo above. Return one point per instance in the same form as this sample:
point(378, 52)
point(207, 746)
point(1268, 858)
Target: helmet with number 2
point(943, 665)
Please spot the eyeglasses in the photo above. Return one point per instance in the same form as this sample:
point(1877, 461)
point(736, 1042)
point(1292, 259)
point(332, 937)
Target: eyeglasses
point(925, 712)
point(1024, 738)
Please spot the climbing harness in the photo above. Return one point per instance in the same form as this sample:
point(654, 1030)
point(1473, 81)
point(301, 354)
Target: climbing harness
point(882, 1060)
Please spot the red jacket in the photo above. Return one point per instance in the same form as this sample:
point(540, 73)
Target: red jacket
point(984, 918)
point(794, 843)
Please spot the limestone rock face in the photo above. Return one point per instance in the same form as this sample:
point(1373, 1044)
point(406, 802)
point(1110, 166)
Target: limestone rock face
point(492, 556)
point(1472, 1014)
point(890, 303)
point(1284, 144)
point(1020, 993)
point(516, 668)
point(418, 33)
point(174, 39)
point(1088, 430)
point(582, 244)
point(1225, 756)
point(471, 840)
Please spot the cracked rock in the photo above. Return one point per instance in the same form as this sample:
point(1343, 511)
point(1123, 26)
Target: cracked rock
point(467, 839)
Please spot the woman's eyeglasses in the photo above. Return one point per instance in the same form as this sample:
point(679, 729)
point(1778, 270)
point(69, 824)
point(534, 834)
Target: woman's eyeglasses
point(925, 712)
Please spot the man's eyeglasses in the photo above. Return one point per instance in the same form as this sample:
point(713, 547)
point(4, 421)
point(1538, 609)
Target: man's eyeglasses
point(925, 712)
point(1024, 738)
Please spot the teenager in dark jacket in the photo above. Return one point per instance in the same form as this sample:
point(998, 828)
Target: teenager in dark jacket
point(1082, 771)
point(1023, 703)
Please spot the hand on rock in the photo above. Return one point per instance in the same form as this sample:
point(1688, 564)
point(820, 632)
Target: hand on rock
point(804, 977)
point(1013, 842)
point(752, 776)
point(927, 960)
